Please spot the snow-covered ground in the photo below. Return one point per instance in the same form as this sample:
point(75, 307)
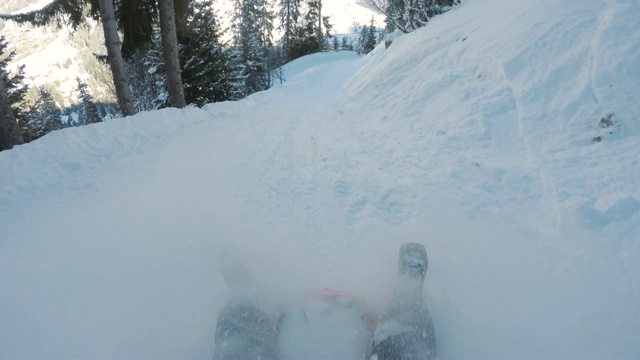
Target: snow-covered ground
point(474, 136)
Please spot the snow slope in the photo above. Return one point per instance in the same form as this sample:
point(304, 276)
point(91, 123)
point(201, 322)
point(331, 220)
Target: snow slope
point(473, 136)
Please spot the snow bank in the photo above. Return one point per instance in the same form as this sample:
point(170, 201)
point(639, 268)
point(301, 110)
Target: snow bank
point(499, 107)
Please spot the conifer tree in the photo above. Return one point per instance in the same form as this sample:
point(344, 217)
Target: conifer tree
point(336, 43)
point(13, 83)
point(141, 76)
point(368, 38)
point(51, 113)
point(409, 15)
point(205, 62)
point(345, 44)
point(252, 42)
point(44, 117)
point(9, 130)
point(136, 20)
point(313, 32)
point(90, 114)
point(183, 10)
point(289, 14)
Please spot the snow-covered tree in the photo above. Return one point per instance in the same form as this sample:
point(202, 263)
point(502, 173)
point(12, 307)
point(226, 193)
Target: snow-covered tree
point(13, 83)
point(335, 44)
point(289, 13)
point(9, 130)
point(313, 32)
point(145, 73)
point(44, 117)
point(206, 72)
point(345, 44)
point(89, 113)
point(368, 38)
point(313, 20)
point(409, 15)
point(252, 42)
point(204, 59)
point(136, 20)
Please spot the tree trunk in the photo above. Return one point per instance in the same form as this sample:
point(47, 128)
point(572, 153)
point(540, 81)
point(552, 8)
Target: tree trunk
point(112, 43)
point(320, 42)
point(170, 52)
point(182, 11)
point(9, 130)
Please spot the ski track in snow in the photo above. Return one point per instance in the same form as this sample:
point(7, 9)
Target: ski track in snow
point(472, 136)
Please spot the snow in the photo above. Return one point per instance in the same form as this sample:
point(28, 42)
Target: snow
point(473, 136)
point(337, 327)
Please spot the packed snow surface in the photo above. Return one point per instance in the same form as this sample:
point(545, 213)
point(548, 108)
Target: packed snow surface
point(504, 136)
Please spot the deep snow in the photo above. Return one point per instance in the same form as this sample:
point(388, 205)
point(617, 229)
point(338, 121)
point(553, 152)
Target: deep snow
point(473, 136)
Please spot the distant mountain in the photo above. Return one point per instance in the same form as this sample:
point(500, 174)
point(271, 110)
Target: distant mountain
point(54, 57)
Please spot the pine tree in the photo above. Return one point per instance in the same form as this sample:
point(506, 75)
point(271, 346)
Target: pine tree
point(90, 114)
point(44, 117)
point(289, 13)
point(394, 11)
point(32, 121)
point(137, 20)
point(13, 83)
point(183, 10)
point(409, 15)
point(368, 38)
point(312, 34)
point(146, 76)
point(50, 111)
point(312, 22)
point(9, 131)
point(205, 62)
point(371, 37)
point(252, 27)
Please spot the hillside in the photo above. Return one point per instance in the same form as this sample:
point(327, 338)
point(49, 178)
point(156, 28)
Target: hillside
point(504, 136)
